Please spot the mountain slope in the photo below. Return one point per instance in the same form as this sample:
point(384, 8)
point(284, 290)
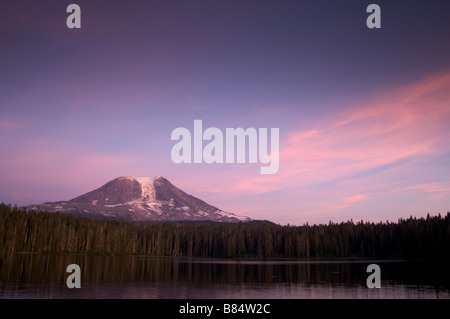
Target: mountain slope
point(141, 199)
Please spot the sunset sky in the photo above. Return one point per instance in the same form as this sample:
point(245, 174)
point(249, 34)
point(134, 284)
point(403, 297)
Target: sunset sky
point(363, 114)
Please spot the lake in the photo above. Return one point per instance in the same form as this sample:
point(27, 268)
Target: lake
point(44, 276)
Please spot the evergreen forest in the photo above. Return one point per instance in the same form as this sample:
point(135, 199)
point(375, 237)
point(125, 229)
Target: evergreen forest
point(412, 238)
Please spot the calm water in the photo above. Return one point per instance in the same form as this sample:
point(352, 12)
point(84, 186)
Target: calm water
point(44, 276)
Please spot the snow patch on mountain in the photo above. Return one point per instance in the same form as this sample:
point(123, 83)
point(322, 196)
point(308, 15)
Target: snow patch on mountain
point(147, 187)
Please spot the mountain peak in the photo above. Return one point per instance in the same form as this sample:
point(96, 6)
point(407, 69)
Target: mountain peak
point(142, 199)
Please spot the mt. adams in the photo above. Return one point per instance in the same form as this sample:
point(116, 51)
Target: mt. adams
point(141, 199)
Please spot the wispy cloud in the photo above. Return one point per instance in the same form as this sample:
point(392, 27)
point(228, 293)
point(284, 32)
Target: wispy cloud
point(353, 156)
point(406, 123)
point(349, 200)
point(427, 188)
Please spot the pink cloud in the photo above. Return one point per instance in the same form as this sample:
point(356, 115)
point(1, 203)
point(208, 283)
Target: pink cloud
point(406, 125)
point(428, 188)
point(437, 192)
point(403, 123)
point(349, 200)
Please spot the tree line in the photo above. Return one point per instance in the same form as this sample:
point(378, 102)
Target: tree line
point(32, 231)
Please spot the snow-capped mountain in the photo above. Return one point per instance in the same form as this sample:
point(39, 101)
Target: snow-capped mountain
point(141, 199)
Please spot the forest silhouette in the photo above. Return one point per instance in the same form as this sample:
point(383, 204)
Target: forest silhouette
point(43, 232)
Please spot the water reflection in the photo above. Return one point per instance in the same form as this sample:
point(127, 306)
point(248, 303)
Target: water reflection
point(44, 276)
